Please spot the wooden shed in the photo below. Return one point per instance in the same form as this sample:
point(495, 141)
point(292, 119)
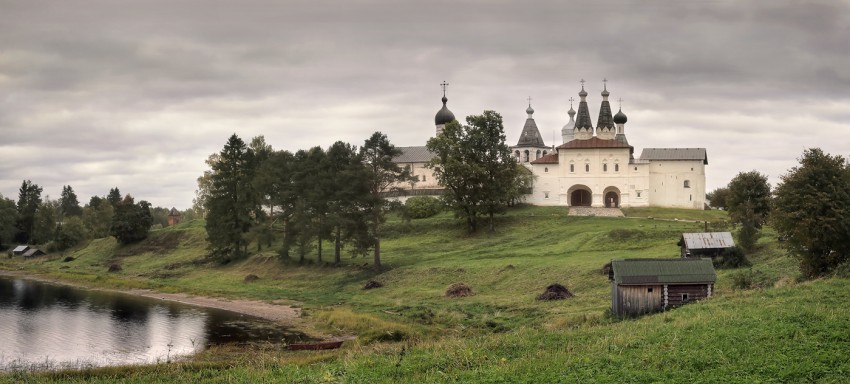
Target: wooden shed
point(705, 244)
point(20, 250)
point(640, 286)
point(32, 252)
point(174, 217)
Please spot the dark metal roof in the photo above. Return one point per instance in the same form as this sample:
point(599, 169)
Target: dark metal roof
point(674, 154)
point(605, 118)
point(419, 154)
point(620, 117)
point(551, 158)
point(444, 116)
point(593, 142)
point(663, 271)
point(583, 118)
point(530, 136)
point(707, 240)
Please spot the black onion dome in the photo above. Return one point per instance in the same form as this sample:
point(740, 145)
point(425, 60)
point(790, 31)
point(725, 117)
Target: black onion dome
point(620, 117)
point(444, 116)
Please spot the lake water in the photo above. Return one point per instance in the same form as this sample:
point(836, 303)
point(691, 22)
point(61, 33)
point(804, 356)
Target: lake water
point(52, 326)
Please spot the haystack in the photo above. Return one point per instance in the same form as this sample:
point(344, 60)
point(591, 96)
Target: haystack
point(372, 284)
point(251, 278)
point(459, 290)
point(555, 292)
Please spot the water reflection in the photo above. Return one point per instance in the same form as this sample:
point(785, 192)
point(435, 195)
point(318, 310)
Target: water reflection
point(64, 325)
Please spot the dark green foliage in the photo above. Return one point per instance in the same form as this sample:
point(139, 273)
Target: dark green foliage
point(70, 233)
point(97, 218)
point(477, 168)
point(732, 258)
point(29, 199)
point(68, 203)
point(749, 198)
point(420, 207)
point(748, 235)
point(718, 198)
point(232, 202)
point(114, 196)
point(8, 219)
point(131, 221)
point(748, 202)
point(45, 223)
point(812, 212)
point(383, 175)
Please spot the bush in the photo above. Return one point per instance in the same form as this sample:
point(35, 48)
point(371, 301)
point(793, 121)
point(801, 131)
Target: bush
point(732, 258)
point(747, 236)
point(420, 207)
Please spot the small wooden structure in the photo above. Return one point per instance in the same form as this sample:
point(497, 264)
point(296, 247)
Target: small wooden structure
point(705, 244)
point(174, 217)
point(20, 250)
point(32, 252)
point(640, 286)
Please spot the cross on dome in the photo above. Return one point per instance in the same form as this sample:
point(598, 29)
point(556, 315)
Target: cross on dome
point(444, 84)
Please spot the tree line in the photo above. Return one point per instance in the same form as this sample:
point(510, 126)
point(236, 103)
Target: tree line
point(809, 209)
point(61, 224)
point(254, 195)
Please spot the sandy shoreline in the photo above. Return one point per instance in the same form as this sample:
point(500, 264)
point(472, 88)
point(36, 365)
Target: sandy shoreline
point(274, 312)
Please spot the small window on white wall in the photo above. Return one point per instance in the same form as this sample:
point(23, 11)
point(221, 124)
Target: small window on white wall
point(638, 193)
point(687, 183)
point(546, 169)
point(587, 167)
point(616, 167)
point(572, 167)
point(604, 167)
point(545, 195)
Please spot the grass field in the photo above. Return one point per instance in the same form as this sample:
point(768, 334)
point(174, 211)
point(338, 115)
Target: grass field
point(407, 331)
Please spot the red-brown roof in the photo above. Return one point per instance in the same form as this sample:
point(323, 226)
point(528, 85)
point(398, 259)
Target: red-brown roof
point(551, 158)
point(593, 142)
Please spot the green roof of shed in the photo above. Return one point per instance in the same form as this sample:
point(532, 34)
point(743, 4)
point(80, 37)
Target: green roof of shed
point(663, 271)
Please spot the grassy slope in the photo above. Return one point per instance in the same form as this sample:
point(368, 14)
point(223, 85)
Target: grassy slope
point(795, 332)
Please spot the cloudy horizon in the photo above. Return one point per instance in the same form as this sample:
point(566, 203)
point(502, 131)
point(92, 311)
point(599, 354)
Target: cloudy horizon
point(99, 94)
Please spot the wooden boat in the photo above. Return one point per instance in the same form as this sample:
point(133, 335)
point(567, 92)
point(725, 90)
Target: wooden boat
point(315, 346)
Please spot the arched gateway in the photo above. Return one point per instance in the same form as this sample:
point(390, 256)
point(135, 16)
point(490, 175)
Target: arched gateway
point(580, 196)
point(612, 197)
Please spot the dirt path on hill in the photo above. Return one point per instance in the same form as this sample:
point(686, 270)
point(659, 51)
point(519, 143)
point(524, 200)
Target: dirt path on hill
point(269, 311)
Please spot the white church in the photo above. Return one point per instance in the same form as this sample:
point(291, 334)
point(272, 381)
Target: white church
point(593, 167)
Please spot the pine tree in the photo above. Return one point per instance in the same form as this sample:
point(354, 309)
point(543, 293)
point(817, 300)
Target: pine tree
point(68, 203)
point(29, 198)
point(383, 175)
point(232, 203)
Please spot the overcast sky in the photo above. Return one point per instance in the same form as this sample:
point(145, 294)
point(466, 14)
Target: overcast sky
point(137, 94)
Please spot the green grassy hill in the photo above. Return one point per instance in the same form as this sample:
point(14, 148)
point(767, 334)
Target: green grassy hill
point(408, 331)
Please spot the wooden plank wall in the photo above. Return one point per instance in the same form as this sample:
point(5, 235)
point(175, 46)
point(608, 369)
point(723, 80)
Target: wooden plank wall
point(637, 299)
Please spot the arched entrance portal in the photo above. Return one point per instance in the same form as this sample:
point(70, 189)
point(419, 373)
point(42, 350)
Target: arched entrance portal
point(612, 197)
point(612, 200)
point(580, 198)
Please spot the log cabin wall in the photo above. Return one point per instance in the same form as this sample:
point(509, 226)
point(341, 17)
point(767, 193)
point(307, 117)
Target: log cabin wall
point(676, 294)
